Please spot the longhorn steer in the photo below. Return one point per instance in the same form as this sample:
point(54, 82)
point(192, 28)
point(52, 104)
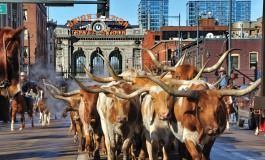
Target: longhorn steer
point(201, 117)
point(119, 118)
point(73, 103)
point(42, 105)
point(85, 104)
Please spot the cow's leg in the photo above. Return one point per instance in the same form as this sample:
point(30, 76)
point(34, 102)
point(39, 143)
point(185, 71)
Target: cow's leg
point(48, 118)
point(149, 149)
point(22, 119)
point(166, 150)
point(207, 149)
point(155, 145)
point(13, 119)
point(73, 124)
point(97, 146)
point(103, 145)
point(80, 135)
point(88, 145)
point(125, 147)
point(257, 131)
point(192, 150)
point(44, 119)
point(40, 120)
point(30, 113)
point(143, 150)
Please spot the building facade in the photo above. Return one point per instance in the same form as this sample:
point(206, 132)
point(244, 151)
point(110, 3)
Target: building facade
point(219, 9)
point(212, 44)
point(153, 14)
point(82, 43)
point(51, 44)
point(35, 38)
point(14, 16)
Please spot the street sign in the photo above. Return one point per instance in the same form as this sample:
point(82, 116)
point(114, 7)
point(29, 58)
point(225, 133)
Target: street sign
point(2, 8)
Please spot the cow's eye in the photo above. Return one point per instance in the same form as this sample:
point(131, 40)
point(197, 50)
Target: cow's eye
point(199, 108)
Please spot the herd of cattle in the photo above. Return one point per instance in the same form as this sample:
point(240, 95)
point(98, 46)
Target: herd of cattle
point(145, 110)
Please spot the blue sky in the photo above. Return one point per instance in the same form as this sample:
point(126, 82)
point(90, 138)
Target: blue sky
point(127, 9)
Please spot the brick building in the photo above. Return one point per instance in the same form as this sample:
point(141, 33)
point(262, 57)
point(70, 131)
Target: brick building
point(212, 43)
point(35, 36)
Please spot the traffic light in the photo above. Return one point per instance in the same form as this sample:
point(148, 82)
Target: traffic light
point(103, 9)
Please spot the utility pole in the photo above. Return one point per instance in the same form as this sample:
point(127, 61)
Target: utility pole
point(28, 57)
point(197, 52)
point(229, 39)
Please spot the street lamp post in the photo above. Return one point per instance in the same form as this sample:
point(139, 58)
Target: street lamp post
point(197, 52)
point(28, 56)
point(229, 38)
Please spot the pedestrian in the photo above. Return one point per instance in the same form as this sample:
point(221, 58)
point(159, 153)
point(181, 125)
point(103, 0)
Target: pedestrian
point(222, 75)
point(174, 59)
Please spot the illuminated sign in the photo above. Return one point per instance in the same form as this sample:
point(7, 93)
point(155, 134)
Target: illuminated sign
point(97, 27)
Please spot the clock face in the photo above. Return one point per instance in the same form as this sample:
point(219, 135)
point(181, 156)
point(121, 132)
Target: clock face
point(97, 27)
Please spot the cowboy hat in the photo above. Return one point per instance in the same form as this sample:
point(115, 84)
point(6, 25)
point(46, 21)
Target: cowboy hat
point(22, 74)
point(222, 69)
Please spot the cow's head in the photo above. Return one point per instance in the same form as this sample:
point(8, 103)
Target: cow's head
point(120, 108)
point(184, 72)
point(72, 99)
point(90, 102)
point(161, 102)
point(9, 62)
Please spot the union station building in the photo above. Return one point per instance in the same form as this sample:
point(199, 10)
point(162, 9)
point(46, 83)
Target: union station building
point(82, 40)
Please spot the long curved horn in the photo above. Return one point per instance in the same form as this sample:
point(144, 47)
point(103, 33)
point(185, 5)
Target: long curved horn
point(157, 63)
point(127, 96)
point(62, 93)
point(57, 96)
point(200, 73)
point(87, 89)
point(111, 71)
point(220, 61)
point(235, 92)
point(97, 79)
point(172, 90)
point(181, 60)
point(215, 84)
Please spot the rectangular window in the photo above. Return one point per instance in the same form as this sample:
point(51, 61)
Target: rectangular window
point(253, 57)
point(235, 61)
point(25, 17)
point(253, 60)
point(26, 52)
point(26, 34)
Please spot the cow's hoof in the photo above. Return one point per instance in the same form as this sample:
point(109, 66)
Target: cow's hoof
point(104, 152)
point(79, 150)
point(75, 138)
point(39, 121)
point(90, 154)
point(12, 129)
point(20, 129)
point(256, 133)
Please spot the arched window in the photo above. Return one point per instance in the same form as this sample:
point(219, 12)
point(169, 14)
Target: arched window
point(80, 59)
point(115, 60)
point(97, 63)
